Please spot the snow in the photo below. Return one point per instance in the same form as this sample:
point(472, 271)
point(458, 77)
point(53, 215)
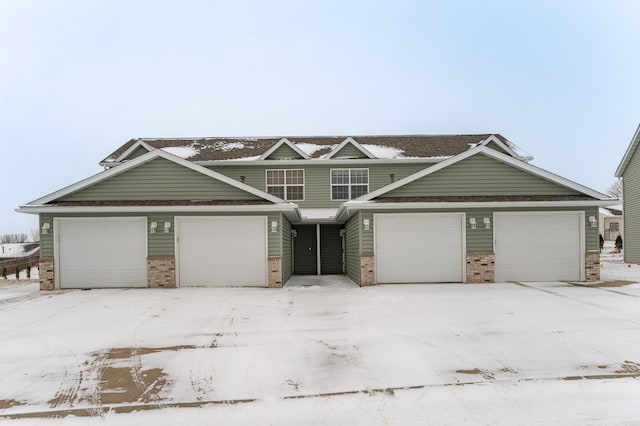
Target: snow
point(251, 158)
point(324, 351)
point(385, 152)
point(181, 151)
point(232, 145)
point(311, 148)
point(35, 275)
point(15, 250)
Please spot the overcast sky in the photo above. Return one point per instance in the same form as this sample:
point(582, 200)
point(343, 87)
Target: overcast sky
point(561, 79)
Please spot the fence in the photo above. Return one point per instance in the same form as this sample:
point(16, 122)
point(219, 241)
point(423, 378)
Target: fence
point(21, 263)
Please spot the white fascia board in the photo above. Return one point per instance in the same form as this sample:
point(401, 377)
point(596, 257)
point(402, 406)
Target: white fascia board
point(631, 149)
point(347, 208)
point(353, 142)
point(36, 209)
point(322, 161)
point(144, 159)
point(284, 141)
point(536, 171)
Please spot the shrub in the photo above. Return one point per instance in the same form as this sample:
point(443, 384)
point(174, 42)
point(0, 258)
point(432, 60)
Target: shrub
point(619, 243)
point(4, 273)
point(17, 273)
point(28, 272)
point(601, 242)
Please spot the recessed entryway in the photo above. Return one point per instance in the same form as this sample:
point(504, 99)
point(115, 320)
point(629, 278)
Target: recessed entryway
point(318, 249)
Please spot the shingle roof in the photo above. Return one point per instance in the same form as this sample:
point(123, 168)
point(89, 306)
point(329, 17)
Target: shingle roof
point(406, 146)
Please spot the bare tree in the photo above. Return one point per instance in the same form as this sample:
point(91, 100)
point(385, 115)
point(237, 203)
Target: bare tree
point(35, 235)
point(615, 190)
point(13, 238)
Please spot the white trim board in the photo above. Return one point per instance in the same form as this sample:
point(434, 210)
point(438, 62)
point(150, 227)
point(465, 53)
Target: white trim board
point(145, 159)
point(536, 171)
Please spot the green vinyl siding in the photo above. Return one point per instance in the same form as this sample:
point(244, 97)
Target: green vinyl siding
point(317, 178)
point(480, 175)
point(160, 179)
point(284, 151)
point(631, 209)
point(366, 236)
point(349, 151)
point(286, 250)
point(161, 244)
point(46, 241)
point(352, 249)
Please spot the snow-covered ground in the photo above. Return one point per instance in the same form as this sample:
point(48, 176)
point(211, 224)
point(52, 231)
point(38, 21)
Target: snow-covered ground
point(500, 354)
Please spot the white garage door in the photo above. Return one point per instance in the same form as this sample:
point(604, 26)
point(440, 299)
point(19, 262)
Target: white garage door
point(101, 252)
point(222, 251)
point(418, 248)
point(545, 246)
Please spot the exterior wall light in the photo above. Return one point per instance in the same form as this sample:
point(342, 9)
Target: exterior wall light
point(366, 223)
point(472, 222)
point(152, 227)
point(487, 223)
point(274, 226)
point(167, 227)
point(45, 228)
point(593, 221)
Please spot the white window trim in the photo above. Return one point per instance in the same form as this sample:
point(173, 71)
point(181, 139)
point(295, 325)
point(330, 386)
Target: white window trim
point(331, 184)
point(285, 185)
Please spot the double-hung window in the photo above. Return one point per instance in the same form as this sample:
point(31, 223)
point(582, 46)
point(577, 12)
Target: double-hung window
point(347, 184)
point(287, 184)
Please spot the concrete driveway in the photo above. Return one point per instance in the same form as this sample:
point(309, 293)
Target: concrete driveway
point(514, 353)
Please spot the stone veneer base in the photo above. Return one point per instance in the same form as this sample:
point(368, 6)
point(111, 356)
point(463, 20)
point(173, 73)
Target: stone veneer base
point(592, 266)
point(367, 270)
point(45, 268)
point(161, 272)
point(275, 272)
point(481, 268)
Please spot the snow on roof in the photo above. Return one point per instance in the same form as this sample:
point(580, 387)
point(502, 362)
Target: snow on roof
point(181, 151)
point(318, 214)
point(386, 152)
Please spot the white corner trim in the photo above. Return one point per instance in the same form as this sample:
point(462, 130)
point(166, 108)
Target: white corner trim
point(284, 141)
point(353, 142)
point(144, 159)
point(631, 149)
point(139, 143)
point(536, 171)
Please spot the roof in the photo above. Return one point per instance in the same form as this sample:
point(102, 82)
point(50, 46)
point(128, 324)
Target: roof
point(315, 147)
point(633, 146)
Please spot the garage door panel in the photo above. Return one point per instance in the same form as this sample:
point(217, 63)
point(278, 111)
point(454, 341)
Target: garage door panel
point(416, 248)
point(222, 251)
point(538, 246)
point(102, 252)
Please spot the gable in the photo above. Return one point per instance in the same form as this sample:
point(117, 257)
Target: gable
point(497, 147)
point(284, 151)
point(349, 151)
point(136, 153)
point(159, 179)
point(479, 175)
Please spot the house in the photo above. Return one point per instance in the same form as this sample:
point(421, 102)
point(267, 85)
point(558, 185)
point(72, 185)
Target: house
point(610, 222)
point(380, 209)
point(629, 172)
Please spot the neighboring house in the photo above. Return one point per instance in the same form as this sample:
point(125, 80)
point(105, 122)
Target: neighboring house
point(610, 223)
point(380, 209)
point(15, 250)
point(629, 172)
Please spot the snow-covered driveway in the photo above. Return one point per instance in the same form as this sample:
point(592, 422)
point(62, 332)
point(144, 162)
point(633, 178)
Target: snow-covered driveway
point(550, 353)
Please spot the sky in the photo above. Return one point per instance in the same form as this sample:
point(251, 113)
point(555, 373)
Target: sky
point(559, 78)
